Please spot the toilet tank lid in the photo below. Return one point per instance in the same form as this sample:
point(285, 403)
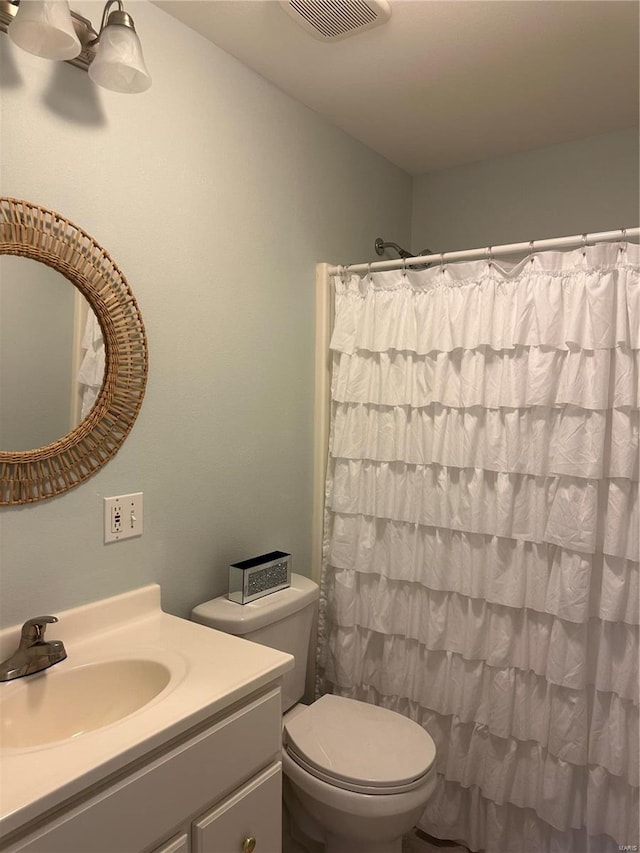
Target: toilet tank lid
point(241, 619)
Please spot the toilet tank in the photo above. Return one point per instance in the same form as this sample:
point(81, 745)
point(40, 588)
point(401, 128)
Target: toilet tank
point(281, 620)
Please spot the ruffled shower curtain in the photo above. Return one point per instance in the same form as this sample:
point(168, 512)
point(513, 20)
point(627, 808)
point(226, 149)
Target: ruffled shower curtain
point(481, 556)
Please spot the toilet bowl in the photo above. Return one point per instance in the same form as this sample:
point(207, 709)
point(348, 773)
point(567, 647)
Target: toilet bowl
point(356, 776)
point(348, 822)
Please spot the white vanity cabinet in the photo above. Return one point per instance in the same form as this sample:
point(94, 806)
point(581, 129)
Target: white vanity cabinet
point(179, 844)
point(215, 789)
point(249, 820)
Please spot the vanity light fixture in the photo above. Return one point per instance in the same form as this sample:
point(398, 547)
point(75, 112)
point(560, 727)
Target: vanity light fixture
point(49, 28)
point(45, 29)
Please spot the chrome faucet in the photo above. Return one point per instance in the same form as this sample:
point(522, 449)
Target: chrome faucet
point(34, 653)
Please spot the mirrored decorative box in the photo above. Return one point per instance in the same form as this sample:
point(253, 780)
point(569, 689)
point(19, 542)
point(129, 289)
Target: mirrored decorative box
point(251, 579)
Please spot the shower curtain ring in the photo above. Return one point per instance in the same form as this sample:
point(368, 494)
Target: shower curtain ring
point(404, 268)
point(531, 250)
point(442, 262)
point(369, 272)
point(489, 255)
point(623, 238)
point(584, 245)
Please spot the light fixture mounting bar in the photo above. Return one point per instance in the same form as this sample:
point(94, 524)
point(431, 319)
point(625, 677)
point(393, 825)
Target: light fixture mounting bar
point(83, 27)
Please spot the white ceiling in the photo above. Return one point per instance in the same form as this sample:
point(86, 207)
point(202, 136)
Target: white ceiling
point(447, 82)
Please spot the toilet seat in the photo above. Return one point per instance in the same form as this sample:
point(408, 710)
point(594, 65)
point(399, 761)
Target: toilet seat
point(359, 747)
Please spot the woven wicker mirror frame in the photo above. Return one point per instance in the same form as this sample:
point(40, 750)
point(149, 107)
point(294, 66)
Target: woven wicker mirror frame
point(31, 231)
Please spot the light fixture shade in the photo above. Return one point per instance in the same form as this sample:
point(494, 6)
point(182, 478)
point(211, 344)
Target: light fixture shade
point(119, 63)
point(45, 28)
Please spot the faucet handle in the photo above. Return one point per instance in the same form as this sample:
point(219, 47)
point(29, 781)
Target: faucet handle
point(33, 629)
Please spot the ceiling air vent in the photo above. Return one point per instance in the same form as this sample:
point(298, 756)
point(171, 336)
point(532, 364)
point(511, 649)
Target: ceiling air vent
point(333, 20)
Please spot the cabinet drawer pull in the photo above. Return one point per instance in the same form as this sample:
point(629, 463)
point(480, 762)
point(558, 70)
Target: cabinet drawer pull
point(249, 844)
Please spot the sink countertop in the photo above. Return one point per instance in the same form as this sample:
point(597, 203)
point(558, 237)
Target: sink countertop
point(210, 672)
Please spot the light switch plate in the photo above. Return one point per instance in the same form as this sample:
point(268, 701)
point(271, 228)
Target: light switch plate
point(122, 517)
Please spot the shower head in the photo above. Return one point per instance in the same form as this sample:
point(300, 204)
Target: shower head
point(380, 246)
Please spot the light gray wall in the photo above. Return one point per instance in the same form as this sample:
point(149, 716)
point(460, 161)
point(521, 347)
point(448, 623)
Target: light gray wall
point(216, 194)
point(589, 185)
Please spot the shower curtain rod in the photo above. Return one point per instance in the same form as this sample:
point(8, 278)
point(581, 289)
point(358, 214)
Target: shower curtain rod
point(491, 252)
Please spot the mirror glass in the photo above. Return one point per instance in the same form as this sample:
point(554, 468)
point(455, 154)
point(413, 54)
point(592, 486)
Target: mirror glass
point(51, 355)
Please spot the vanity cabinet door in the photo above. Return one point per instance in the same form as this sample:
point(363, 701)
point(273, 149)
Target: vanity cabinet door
point(179, 844)
point(246, 821)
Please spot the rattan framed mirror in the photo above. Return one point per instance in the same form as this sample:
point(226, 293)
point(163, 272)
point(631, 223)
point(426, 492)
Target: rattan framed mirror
point(44, 236)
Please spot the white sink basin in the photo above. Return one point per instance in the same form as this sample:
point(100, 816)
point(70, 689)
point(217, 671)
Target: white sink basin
point(57, 705)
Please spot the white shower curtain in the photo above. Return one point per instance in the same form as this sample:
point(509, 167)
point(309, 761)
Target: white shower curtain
point(481, 556)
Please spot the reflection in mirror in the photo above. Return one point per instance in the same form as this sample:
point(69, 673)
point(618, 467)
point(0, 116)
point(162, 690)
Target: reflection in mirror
point(51, 355)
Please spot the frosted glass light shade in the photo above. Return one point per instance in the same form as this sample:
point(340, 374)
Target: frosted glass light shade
point(45, 28)
point(119, 63)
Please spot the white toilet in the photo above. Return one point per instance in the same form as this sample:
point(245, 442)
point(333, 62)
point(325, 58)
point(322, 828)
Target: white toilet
point(356, 776)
